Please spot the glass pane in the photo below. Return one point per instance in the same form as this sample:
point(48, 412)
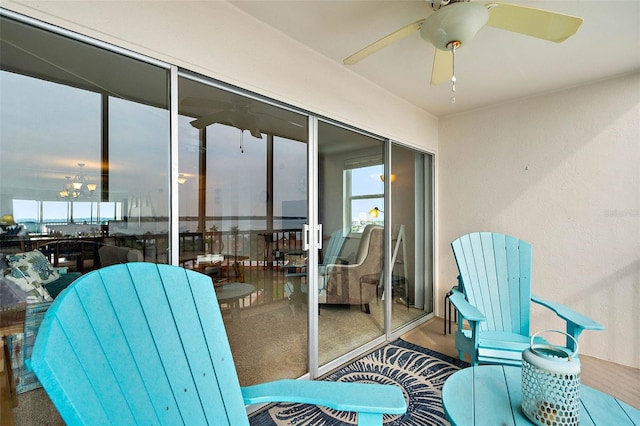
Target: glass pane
point(54, 212)
point(349, 187)
point(138, 177)
point(412, 258)
point(367, 180)
point(366, 211)
point(81, 137)
point(243, 201)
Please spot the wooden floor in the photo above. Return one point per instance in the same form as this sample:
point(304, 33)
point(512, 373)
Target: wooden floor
point(618, 380)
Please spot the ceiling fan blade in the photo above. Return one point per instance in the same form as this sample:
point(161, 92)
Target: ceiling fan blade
point(242, 122)
point(384, 42)
point(209, 119)
point(255, 132)
point(537, 23)
point(442, 67)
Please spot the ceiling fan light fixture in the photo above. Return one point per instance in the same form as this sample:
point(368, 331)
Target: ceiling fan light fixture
point(457, 22)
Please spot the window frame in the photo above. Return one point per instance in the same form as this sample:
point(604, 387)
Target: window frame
point(349, 198)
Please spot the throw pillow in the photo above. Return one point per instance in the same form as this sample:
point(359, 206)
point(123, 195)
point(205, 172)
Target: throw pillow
point(10, 293)
point(4, 265)
point(31, 271)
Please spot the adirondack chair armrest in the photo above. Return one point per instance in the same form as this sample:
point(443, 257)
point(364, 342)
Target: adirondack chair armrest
point(576, 322)
point(455, 289)
point(464, 308)
point(356, 397)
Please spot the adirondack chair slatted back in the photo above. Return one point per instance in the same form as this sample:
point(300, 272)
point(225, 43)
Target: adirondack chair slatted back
point(163, 326)
point(495, 270)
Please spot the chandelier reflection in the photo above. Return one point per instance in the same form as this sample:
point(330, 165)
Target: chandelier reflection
point(78, 187)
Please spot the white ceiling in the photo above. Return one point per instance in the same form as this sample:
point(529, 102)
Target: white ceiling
point(495, 67)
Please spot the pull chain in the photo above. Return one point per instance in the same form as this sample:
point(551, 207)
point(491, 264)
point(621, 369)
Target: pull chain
point(242, 141)
point(453, 45)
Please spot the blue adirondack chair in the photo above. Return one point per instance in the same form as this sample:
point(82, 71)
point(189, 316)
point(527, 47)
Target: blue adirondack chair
point(141, 343)
point(495, 276)
point(333, 247)
point(331, 252)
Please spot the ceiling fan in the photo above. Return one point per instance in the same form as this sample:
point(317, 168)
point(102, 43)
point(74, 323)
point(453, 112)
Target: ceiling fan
point(236, 114)
point(244, 115)
point(454, 23)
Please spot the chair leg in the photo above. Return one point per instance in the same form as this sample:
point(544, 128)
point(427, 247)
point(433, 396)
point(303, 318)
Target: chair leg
point(455, 319)
point(449, 317)
point(365, 308)
point(444, 307)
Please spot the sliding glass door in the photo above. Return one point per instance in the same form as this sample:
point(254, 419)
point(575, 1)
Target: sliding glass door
point(243, 203)
point(350, 209)
point(411, 256)
point(88, 159)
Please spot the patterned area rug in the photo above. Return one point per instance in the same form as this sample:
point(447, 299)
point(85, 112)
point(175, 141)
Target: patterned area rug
point(420, 372)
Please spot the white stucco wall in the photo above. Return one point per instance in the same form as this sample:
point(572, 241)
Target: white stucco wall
point(561, 171)
point(216, 39)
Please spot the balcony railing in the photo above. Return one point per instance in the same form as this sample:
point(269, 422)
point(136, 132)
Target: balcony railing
point(255, 256)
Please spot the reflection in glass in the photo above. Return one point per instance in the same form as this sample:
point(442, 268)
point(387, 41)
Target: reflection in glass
point(138, 168)
point(349, 186)
point(101, 118)
point(242, 207)
point(81, 147)
point(365, 191)
point(411, 257)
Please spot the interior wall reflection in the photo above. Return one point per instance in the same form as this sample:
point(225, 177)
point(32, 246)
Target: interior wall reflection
point(411, 259)
point(243, 201)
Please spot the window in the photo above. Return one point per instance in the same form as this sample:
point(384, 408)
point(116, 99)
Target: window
point(38, 213)
point(365, 195)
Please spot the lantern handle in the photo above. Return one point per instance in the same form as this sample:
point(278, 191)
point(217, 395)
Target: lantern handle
point(539, 346)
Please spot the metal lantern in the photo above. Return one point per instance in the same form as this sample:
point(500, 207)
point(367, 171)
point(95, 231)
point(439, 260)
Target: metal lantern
point(551, 383)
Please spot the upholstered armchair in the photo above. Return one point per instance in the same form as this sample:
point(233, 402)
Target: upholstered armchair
point(345, 282)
